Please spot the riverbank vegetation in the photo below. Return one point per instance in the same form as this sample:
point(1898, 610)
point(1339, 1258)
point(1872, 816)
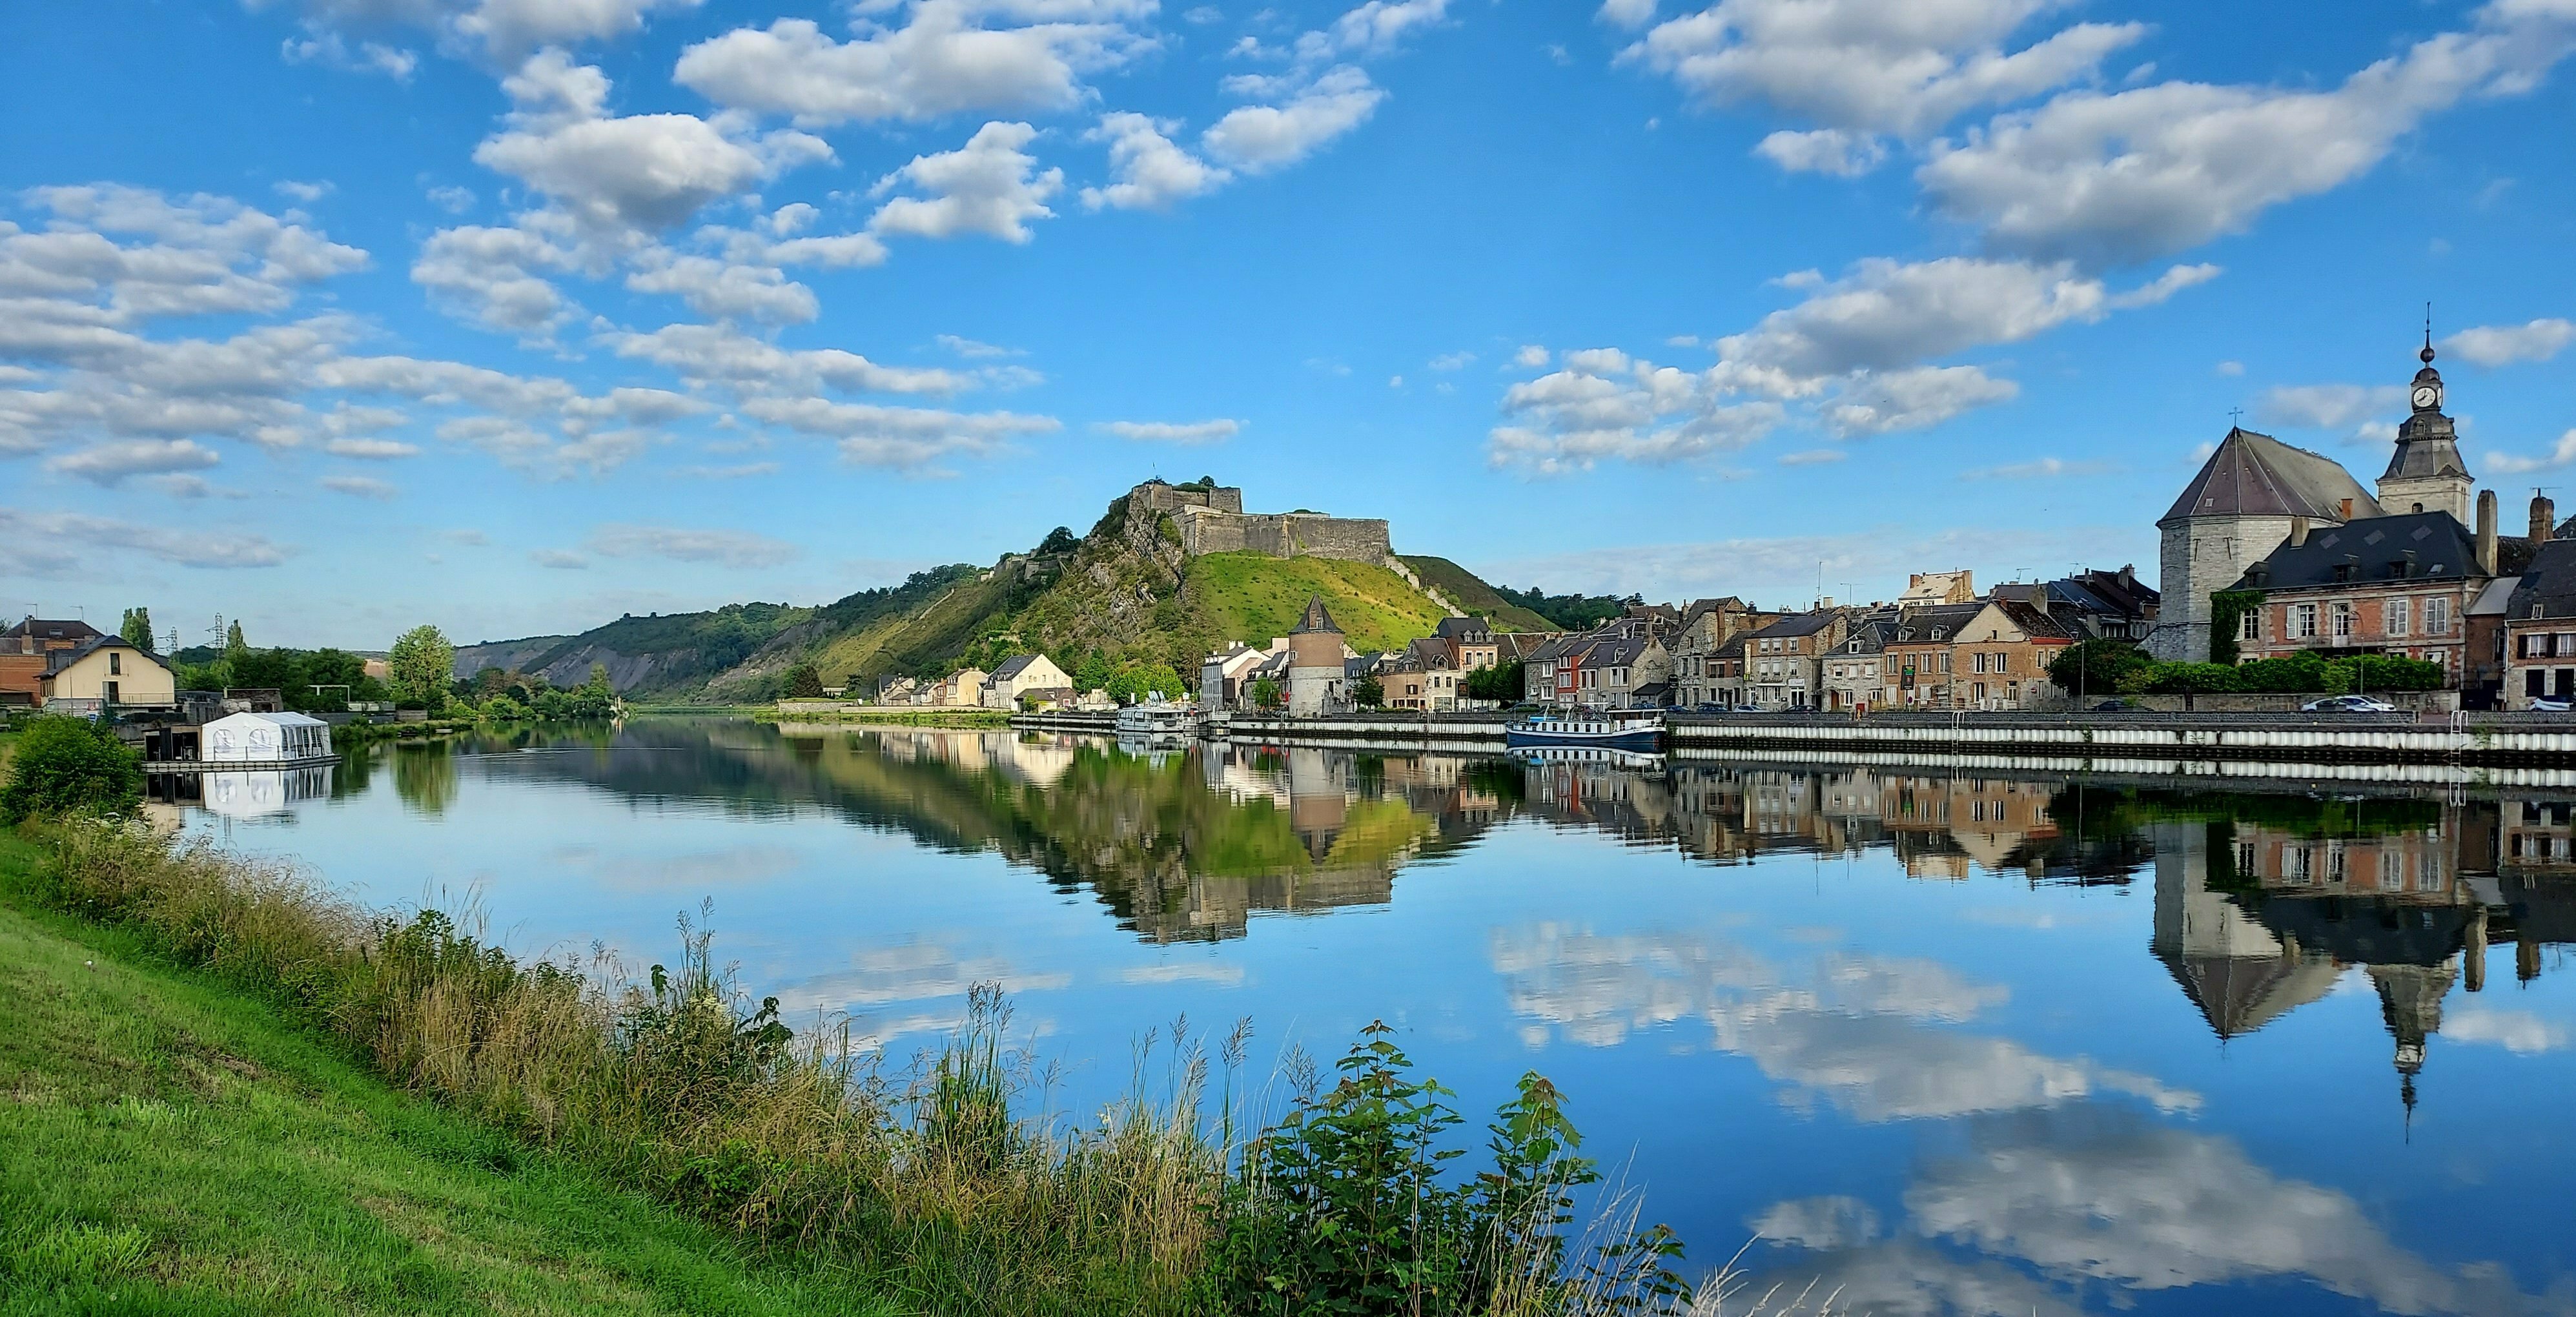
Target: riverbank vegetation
point(2117, 667)
point(894, 716)
point(946, 1186)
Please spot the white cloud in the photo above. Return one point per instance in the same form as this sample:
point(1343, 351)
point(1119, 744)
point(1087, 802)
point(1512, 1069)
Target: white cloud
point(196, 255)
point(2126, 176)
point(490, 276)
point(725, 290)
point(1260, 138)
point(620, 174)
point(113, 462)
point(58, 543)
point(973, 350)
point(1631, 14)
point(1151, 171)
point(2045, 468)
point(1453, 361)
point(330, 50)
point(2231, 369)
point(905, 438)
point(1868, 68)
point(1880, 402)
point(727, 548)
point(360, 486)
point(564, 560)
point(2506, 464)
point(989, 186)
point(452, 199)
point(948, 58)
point(712, 354)
point(2520, 1032)
point(1814, 457)
point(2326, 406)
point(301, 193)
point(506, 30)
point(1823, 151)
point(1194, 432)
point(1530, 357)
point(1603, 405)
point(1377, 27)
point(2502, 345)
point(372, 450)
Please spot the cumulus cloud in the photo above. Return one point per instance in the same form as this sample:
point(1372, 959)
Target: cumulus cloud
point(949, 57)
point(503, 30)
point(113, 462)
point(725, 548)
point(2327, 406)
point(2135, 174)
point(562, 560)
point(1603, 405)
point(193, 255)
point(331, 50)
point(1260, 138)
point(60, 543)
point(620, 174)
point(1823, 151)
point(904, 438)
point(2503, 345)
point(989, 186)
point(1884, 401)
point(711, 354)
point(371, 450)
point(2560, 454)
point(1194, 432)
point(1150, 171)
point(497, 276)
point(1859, 69)
point(360, 486)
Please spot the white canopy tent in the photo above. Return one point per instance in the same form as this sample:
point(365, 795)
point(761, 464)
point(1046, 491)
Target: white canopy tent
point(264, 738)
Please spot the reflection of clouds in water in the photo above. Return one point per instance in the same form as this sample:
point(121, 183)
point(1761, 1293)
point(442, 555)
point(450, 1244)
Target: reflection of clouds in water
point(687, 871)
point(1854, 1030)
point(2093, 1193)
point(1218, 972)
point(2512, 1030)
point(909, 973)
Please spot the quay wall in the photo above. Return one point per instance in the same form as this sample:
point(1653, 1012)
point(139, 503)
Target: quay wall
point(1470, 730)
point(2488, 740)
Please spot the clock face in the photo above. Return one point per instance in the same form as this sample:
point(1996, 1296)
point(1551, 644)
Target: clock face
point(2426, 396)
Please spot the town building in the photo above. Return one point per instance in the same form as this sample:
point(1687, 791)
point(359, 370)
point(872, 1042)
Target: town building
point(1316, 649)
point(1020, 674)
point(2397, 585)
point(23, 654)
point(105, 672)
point(2106, 605)
point(1925, 589)
point(1919, 652)
point(2539, 629)
point(1999, 659)
point(2240, 506)
point(1223, 679)
point(1782, 658)
point(1470, 642)
point(1856, 675)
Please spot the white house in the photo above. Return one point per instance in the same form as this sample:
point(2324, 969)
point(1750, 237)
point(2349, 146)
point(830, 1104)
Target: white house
point(264, 738)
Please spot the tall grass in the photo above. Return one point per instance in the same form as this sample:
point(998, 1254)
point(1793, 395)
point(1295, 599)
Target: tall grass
point(942, 1183)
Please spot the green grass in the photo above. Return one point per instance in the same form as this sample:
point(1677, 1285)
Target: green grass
point(1469, 591)
point(1253, 598)
point(171, 1145)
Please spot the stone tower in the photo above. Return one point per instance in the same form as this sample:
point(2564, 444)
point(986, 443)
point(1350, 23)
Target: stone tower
point(2425, 474)
point(2237, 510)
point(1315, 663)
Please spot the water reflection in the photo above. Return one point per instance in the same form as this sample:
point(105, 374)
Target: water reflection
point(1998, 1043)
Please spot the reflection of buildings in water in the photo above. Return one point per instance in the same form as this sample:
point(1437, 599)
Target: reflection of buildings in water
point(2239, 973)
point(1942, 825)
point(250, 794)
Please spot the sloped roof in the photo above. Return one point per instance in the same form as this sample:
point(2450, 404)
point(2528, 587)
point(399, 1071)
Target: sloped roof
point(1316, 620)
point(1934, 623)
point(1464, 628)
point(2550, 583)
point(1013, 666)
point(1801, 624)
point(2034, 623)
point(51, 629)
point(2256, 475)
point(1428, 651)
point(59, 659)
point(2372, 550)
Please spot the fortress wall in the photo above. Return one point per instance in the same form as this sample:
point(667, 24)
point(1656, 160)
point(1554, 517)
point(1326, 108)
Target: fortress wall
point(1168, 498)
point(1282, 535)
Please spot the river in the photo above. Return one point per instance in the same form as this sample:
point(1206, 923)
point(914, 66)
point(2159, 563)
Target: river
point(2007, 1045)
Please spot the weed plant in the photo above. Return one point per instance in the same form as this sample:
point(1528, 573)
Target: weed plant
point(935, 1184)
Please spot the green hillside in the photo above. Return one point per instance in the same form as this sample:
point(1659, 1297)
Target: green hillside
point(1463, 588)
point(1252, 598)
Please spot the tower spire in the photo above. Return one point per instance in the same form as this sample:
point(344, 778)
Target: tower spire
point(2427, 355)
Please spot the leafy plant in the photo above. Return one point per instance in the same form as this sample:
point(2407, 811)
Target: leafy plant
point(71, 766)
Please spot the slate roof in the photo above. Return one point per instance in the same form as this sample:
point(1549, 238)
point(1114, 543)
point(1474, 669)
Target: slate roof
point(2550, 584)
point(1934, 623)
point(2372, 551)
point(1428, 652)
point(1867, 638)
point(41, 629)
point(59, 659)
point(1471, 630)
point(2256, 475)
point(1317, 619)
point(1800, 624)
point(2036, 624)
point(1013, 666)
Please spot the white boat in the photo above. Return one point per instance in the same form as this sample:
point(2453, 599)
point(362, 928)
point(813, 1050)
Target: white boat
point(1626, 729)
point(1159, 721)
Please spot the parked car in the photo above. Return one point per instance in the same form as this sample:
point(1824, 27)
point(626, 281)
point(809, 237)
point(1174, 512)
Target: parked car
point(2347, 704)
point(2113, 706)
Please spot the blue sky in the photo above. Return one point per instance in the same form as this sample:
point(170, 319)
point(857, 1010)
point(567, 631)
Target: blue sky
point(515, 315)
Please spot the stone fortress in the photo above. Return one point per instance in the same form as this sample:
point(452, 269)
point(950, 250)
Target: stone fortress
point(1211, 519)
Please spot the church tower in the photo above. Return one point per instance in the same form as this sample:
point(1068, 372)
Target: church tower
point(2425, 474)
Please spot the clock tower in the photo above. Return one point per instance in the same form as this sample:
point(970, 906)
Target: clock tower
point(2425, 474)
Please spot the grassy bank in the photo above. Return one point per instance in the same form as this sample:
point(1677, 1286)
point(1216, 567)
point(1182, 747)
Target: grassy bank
point(943, 1187)
point(174, 1145)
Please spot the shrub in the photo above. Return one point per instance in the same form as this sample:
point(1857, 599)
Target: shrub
point(804, 683)
point(71, 766)
point(2096, 666)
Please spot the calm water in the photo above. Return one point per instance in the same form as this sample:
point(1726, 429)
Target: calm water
point(1978, 1045)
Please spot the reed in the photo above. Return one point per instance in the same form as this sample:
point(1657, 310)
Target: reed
point(947, 1184)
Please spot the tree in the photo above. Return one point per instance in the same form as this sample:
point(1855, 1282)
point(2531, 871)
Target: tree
point(1093, 673)
point(1370, 693)
point(2095, 667)
point(420, 665)
point(1502, 683)
point(804, 683)
point(1059, 540)
point(71, 766)
point(137, 628)
point(234, 645)
point(1267, 695)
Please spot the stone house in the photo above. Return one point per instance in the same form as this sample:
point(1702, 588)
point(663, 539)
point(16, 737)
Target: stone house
point(105, 672)
point(1918, 652)
point(2398, 585)
point(1018, 675)
point(1856, 672)
point(1707, 625)
point(1316, 651)
point(1548, 672)
point(1224, 680)
point(1999, 659)
point(1620, 668)
point(1782, 659)
point(1924, 589)
point(2539, 627)
point(1470, 642)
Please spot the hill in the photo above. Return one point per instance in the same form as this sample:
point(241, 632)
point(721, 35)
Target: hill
point(1127, 591)
point(1473, 596)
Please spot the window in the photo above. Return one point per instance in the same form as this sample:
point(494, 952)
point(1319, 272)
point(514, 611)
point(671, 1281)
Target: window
point(2437, 617)
point(115, 664)
point(2304, 621)
point(2003, 662)
point(2342, 621)
point(2535, 682)
point(2395, 617)
point(1977, 661)
point(2250, 626)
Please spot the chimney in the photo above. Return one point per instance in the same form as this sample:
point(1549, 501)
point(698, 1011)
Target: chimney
point(2299, 531)
point(2544, 519)
point(2487, 531)
point(2347, 509)
point(2039, 598)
